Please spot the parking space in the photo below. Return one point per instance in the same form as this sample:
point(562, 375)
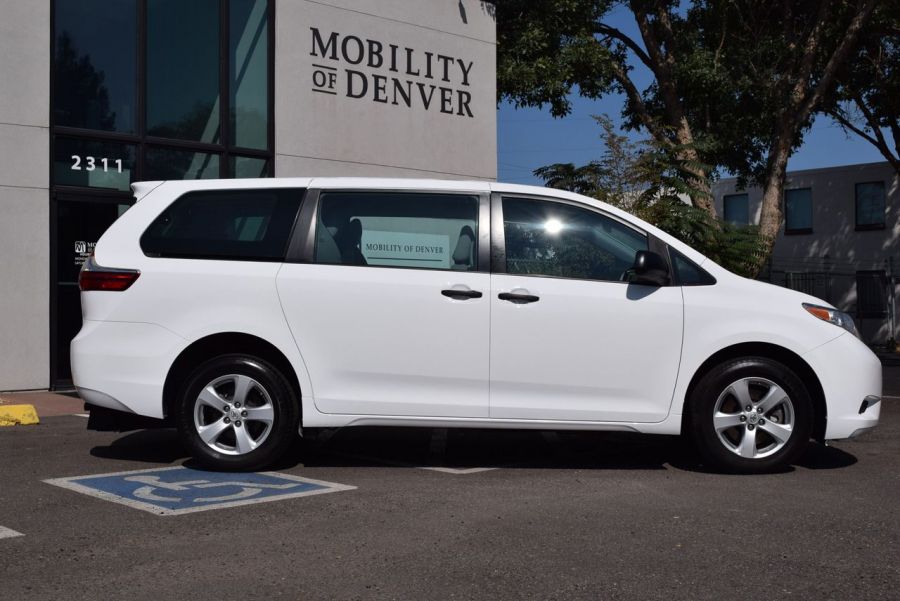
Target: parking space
point(497, 514)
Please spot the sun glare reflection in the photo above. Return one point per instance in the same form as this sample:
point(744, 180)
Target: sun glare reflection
point(553, 226)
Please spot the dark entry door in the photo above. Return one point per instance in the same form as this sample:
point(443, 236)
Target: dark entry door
point(78, 222)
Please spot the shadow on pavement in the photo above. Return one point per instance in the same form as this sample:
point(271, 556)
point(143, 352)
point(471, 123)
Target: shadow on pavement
point(466, 449)
point(150, 446)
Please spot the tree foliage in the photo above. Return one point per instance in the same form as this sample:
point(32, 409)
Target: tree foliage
point(866, 101)
point(736, 83)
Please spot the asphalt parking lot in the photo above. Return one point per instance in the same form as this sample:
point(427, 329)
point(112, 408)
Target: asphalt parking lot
point(550, 516)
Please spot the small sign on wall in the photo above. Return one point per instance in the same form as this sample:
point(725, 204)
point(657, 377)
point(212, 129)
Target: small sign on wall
point(83, 250)
point(406, 250)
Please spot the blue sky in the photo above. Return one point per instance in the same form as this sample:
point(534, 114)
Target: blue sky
point(531, 138)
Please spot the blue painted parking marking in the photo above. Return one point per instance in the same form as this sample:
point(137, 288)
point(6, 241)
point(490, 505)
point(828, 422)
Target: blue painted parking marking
point(179, 490)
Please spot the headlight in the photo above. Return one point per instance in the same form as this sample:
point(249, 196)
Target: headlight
point(838, 318)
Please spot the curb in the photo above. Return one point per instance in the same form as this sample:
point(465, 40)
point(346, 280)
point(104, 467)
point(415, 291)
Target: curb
point(10, 415)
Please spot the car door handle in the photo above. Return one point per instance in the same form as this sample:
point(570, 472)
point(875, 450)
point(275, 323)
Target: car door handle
point(461, 294)
point(519, 299)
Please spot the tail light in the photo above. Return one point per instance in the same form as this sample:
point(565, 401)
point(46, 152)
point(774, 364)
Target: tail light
point(96, 277)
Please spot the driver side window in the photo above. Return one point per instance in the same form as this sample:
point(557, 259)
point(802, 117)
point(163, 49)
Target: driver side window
point(560, 240)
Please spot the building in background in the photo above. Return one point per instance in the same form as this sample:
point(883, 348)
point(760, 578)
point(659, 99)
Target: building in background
point(840, 240)
point(97, 94)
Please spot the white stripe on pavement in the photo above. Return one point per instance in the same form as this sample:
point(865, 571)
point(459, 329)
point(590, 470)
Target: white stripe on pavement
point(9, 533)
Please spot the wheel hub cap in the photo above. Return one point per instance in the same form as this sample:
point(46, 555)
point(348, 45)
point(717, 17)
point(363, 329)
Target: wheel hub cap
point(233, 414)
point(753, 418)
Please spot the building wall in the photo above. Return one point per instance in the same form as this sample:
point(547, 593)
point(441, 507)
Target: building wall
point(835, 248)
point(24, 193)
point(323, 128)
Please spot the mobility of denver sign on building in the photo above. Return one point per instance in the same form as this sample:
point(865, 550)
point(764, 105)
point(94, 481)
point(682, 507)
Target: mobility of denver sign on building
point(110, 93)
point(387, 87)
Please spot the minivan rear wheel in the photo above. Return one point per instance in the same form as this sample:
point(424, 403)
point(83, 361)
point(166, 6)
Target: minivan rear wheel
point(237, 412)
point(750, 415)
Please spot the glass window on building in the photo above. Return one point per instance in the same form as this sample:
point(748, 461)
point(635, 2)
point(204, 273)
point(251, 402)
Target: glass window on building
point(160, 89)
point(798, 211)
point(737, 209)
point(183, 70)
point(870, 206)
point(147, 90)
point(248, 73)
point(94, 59)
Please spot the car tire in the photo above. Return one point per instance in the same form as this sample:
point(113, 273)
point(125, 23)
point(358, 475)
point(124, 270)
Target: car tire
point(237, 413)
point(750, 415)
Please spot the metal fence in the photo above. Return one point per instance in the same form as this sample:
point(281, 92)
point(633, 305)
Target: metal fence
point(866, 290)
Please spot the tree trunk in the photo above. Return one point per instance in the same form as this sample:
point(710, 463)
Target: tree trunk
point(703, 198)
point(771, 215)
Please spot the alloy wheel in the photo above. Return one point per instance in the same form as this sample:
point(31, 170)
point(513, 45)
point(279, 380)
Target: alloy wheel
point(754, 418)
point(234, 414)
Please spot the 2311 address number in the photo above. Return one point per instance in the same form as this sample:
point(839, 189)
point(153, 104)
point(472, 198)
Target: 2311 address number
point(92, 163)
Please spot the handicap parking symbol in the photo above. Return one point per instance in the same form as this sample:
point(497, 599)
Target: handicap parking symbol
point(179, 490)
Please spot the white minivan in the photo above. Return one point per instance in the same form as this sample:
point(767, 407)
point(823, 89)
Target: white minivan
point(242, 311)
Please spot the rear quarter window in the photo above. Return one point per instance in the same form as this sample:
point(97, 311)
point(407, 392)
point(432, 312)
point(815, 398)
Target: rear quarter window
point(243, 225)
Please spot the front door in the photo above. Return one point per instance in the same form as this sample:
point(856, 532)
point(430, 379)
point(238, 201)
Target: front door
point(79, 221)
point(570, 338)
point(391, 310)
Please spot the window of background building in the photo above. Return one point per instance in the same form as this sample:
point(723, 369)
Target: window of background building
point(870, 206)
point(798, 211)
point(737, 209)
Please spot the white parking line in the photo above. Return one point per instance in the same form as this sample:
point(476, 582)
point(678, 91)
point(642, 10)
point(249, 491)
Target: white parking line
point(461, 471)
point(81, 415)
point(9, 533)
point(458, 471)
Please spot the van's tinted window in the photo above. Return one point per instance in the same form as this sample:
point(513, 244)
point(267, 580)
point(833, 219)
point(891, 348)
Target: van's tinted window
point(397, 229)
point(561, 240)
point(249, 225)
point(688, 273)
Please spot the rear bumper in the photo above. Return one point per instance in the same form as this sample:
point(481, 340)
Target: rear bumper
point(850, 375)
point(123, 366)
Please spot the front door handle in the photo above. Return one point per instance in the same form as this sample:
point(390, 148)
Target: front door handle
point(461, 294)
point(519, 299)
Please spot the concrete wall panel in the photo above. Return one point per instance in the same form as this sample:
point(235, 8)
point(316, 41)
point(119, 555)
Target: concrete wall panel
point(24, 326)
point(318, 115)
point(24, 195)
point(25, 65)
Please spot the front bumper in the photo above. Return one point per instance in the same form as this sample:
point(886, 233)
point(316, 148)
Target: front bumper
point(850, 375)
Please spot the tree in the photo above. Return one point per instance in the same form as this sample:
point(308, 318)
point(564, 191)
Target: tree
point(735, 83)
point(548, 47)
point(611, 178)
point(783, 59)
point(866, 101)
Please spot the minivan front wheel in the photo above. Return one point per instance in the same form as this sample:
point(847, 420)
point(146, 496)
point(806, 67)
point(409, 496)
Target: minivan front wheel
point(237, 412)
point(751, 415)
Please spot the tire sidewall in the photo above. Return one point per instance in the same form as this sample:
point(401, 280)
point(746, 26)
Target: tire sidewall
point(706, 394)
point(284, 402)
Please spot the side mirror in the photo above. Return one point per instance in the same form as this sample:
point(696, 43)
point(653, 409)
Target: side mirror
point(649, 269)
